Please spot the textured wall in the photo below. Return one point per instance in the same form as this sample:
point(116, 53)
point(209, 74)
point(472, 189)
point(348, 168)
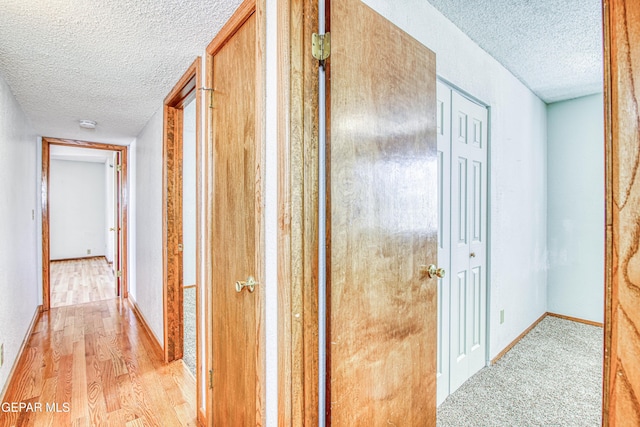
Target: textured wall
point(19, 284)
point(77, 209)
point(147, 231)
point(517, 157)
point(575, 167)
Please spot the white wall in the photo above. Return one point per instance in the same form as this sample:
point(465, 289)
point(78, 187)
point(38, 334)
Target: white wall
point(19, 284)
point(77, 209)
point(517, 157)
point(189, 195)
point(146, 197)
point(575, 207)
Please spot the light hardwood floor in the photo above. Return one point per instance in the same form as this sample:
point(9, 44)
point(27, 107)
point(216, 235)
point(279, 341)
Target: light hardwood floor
point(93, 365)
point(82, 280)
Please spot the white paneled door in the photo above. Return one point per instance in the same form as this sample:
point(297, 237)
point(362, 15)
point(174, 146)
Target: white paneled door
point(462, 238)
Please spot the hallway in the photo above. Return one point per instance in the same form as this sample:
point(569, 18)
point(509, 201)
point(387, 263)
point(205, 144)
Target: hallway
point(93, 364)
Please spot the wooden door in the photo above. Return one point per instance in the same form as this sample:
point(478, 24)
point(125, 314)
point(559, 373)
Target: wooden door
point(622, 313)
point(118, 225)
point(382, 223)
point(468, 239)
point(236, 240)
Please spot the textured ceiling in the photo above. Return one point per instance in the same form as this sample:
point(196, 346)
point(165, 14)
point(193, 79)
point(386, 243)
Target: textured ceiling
point(114, 61)
point(553, 46)
point(105, 60)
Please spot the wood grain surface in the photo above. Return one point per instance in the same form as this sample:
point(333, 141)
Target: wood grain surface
point(383, 225)
point(237, 241)
point(622, 314)
point(81, 280)
point(92, 364)
point(298, 186)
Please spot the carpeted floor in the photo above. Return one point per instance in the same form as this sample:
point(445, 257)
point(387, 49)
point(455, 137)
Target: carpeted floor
point(189, 350)
point(552, 377)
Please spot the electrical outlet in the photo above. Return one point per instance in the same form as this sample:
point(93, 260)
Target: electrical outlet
point(501, 316)
point(88, 251)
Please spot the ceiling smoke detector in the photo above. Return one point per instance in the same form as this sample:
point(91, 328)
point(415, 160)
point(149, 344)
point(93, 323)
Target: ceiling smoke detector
point(88, 124)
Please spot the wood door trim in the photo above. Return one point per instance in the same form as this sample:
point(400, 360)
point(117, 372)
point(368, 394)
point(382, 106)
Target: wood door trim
point(44, 194)
point(242, 13)
point(180, 95)
point(298, 189)
point(621, 388)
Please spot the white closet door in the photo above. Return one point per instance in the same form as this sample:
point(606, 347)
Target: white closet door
point(468, 239)
point(444, 235)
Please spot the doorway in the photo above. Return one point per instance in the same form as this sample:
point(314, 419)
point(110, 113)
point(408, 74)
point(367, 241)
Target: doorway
point(120, 217)
point(462, 141)
point(182, 241)
point(82, 207)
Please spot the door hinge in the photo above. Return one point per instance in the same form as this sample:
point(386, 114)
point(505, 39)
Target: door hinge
point(210, 378)
point(119, 168)
point(321, 46)
point(211, 92)
point(119, 273)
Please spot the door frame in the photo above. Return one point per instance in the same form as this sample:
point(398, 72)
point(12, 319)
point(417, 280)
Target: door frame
point(298, 215)
point(122, 203)
point(182, 93)
point(297, 153)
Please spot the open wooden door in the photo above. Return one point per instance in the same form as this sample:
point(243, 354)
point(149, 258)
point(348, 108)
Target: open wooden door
point(237, 238)
point(118, 224)
point(382, 222)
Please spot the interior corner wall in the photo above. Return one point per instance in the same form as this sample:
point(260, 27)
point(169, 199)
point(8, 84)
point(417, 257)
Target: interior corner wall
point(77, 209)
point(517, 160)
point(19, 258)
point(575, 207)
point(146, 212)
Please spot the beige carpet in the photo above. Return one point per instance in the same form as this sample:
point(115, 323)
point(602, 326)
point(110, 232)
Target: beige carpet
point(552, 377)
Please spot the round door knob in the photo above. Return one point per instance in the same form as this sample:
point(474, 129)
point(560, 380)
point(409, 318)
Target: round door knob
point(250, 284)
point(434, 271)
point(472, 255)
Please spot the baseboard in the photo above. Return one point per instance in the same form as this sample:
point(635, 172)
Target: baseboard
point(84, 258)
point(157, 347)
point(519, 337)
point(576, 319)
point(560, 316)
point(32, 326)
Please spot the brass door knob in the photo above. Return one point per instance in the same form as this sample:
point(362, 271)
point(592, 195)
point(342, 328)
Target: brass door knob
point(434, 271)
point(250, 284)
point(472, 255)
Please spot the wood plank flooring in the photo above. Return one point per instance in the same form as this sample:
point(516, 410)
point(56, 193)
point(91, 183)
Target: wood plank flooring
point(81, 280)
point(93, 365)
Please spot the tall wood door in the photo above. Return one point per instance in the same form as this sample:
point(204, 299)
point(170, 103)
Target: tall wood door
point(118, 223)
point(382, 223)
point(236, 242)
point(468, 239)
